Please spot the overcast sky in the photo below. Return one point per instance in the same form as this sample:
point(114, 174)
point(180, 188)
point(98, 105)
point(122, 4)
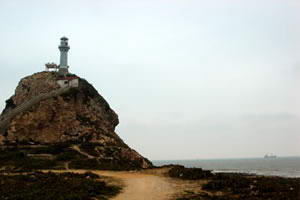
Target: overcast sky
point(189, 79)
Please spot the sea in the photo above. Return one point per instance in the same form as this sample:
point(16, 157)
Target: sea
point(280, 166)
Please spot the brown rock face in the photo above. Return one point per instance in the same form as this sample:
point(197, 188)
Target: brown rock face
point(79, 117)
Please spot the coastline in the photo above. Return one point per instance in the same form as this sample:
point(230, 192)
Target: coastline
point(281, 166)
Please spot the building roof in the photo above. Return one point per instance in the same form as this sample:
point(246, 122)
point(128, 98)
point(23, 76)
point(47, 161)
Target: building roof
point(69, 78)
point(51, 65)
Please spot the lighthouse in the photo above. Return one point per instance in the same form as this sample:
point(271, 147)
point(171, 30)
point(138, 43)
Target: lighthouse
point(63, 48)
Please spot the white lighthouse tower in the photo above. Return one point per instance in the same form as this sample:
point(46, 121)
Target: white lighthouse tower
point(63, 48)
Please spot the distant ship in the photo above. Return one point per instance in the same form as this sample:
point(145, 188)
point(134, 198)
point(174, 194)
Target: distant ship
point(270, 156)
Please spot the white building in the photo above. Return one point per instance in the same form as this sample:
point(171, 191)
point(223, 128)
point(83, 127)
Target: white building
point(51, 67)
point(68, 81)
point(63, 48)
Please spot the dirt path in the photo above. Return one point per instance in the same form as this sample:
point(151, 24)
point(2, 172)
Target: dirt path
point(140, 186)
point(144, 185)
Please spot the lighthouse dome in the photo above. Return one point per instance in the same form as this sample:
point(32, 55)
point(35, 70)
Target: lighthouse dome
point(64, 38)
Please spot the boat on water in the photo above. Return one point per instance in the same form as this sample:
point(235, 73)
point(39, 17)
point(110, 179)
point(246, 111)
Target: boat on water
point(267, 156)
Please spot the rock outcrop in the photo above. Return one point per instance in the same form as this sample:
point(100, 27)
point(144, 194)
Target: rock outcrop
point(79, 117)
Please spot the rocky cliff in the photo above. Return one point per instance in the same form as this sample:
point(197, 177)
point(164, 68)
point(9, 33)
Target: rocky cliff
point(79, 120)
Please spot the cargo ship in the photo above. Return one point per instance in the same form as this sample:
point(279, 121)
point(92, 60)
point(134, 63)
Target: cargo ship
point(267, 156)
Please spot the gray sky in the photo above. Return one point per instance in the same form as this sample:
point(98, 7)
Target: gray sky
point(188, 78)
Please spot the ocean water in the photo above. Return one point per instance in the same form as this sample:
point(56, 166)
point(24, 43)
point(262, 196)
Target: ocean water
point(281, 166)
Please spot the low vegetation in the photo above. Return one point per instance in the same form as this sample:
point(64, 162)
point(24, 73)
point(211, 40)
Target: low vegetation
point(181, 172)
point(28, 159)
point(55, 156)
point(254, 187)
point(233, 186)
point(49, 186)
point(12, 159)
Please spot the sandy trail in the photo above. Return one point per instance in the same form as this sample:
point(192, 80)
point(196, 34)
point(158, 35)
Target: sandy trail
point(143, 185)
point(140, 186)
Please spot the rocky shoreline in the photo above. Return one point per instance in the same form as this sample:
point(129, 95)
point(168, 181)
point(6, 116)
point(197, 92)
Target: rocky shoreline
point(236, 186)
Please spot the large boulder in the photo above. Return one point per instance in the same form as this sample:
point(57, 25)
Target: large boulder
point(81, 117)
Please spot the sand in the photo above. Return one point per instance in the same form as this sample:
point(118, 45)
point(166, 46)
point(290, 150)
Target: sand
point(139, 186)
point(143, 185)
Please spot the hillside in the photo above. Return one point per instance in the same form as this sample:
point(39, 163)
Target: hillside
point(61, 128)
